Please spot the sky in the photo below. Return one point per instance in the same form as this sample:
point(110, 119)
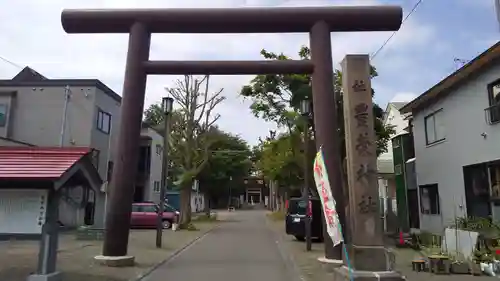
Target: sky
point(422, 52)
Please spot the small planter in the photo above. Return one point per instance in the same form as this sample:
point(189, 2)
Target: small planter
point(460, 268)
point(439, 264)
point(475, 269)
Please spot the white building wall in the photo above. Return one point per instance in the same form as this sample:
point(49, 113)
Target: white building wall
point(396, 119)
point(156, 164)
point(442, 163)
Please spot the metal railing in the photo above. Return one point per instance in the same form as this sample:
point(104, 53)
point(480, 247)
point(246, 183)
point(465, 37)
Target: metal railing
point(492, 114)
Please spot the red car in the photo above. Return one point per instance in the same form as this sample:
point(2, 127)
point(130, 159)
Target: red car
point(144, 215)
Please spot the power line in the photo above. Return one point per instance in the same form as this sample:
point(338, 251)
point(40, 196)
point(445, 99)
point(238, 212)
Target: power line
point(11, 62)
point(394, 33)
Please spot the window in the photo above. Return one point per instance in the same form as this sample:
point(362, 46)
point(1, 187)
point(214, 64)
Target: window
point(169, 208)
point(397, 170)
point(395, 143)
point(3, 115)
point(149, 208)
point(494, 101)
point(495, 180)
point(156, 186)
point(144, 208)
point(434, 127)
point(103, 121)
point(429, 199)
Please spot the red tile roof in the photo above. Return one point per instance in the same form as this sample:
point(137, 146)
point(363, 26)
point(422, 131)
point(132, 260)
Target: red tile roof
point(38, 162)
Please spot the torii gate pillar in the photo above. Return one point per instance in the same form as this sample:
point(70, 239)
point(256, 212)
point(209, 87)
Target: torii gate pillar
point(318, 21)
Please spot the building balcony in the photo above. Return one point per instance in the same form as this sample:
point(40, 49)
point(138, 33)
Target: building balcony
point(492, 114)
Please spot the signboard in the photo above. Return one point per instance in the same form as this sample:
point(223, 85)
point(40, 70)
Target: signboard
point(327, 200)
point(196, 186)
point(22, 211)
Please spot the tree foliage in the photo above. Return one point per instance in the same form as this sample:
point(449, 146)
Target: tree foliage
point(153, 115)
point(279, 159)
point(277, 98)
point(230, 158)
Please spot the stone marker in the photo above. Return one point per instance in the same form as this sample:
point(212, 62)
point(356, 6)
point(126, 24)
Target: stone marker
point(368, 258)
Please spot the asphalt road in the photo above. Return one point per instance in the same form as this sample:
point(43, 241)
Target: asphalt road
point(244, 249)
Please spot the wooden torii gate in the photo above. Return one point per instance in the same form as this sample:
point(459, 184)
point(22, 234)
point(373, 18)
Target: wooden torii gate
point(319, 22)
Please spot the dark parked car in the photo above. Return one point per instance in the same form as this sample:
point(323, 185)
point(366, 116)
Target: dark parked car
point(296, 211)
point(144, 215)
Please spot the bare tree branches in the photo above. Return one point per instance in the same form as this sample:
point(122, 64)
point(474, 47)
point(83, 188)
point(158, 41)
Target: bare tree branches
point(196, 106)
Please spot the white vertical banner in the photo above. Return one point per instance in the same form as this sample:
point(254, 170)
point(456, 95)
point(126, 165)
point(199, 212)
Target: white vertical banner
point(327, 200)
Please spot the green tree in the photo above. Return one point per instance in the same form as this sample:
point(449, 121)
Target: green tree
point(230, 158)
point(153, 115)
point(280, 160)
point(275, 96)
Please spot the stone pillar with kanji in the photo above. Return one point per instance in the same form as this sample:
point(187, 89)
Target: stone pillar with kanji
point(366, 255)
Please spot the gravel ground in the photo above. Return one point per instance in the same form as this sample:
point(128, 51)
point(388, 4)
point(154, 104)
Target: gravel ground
point(312, 270)
point(75, 258)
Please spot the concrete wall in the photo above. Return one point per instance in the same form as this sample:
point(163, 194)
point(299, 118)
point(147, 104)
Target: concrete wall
point(36, 113)
point(104, 143)
point(463, 119)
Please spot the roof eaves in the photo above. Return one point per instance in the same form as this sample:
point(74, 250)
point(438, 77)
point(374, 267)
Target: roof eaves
point(440, 89)
point(63, 82)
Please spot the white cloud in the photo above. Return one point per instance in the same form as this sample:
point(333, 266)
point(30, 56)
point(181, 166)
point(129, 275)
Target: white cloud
point(41, 43)
point(403, 97)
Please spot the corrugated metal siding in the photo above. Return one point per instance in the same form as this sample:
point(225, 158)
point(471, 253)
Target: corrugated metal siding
point(42, 163)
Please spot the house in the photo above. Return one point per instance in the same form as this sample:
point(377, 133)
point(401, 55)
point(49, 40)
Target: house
point(148, 178)
point(408, 218)
point(385, 165)
point(47, 112)
point(456, 134)
point(197, 202)
point(29, 175)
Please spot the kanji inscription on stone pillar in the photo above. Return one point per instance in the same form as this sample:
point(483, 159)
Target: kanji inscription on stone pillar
point(366, 249)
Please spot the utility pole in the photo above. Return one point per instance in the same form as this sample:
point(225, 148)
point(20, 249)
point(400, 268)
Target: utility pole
point(65, 114)
point(167, 103)
point(229, 203)
point(497, 11)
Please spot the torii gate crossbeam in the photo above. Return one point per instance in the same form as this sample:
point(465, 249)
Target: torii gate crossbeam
point(319, 22)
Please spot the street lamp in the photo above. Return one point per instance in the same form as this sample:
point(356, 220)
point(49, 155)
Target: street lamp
point(305, 107)
point(305, 110)
point(167, 106)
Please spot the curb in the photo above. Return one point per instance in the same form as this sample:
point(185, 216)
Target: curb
point(172, 256)
point(291, 264)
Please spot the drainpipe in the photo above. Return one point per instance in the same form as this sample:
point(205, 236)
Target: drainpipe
point(65, 113)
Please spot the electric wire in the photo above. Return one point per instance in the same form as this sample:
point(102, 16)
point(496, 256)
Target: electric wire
point(374, 54)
